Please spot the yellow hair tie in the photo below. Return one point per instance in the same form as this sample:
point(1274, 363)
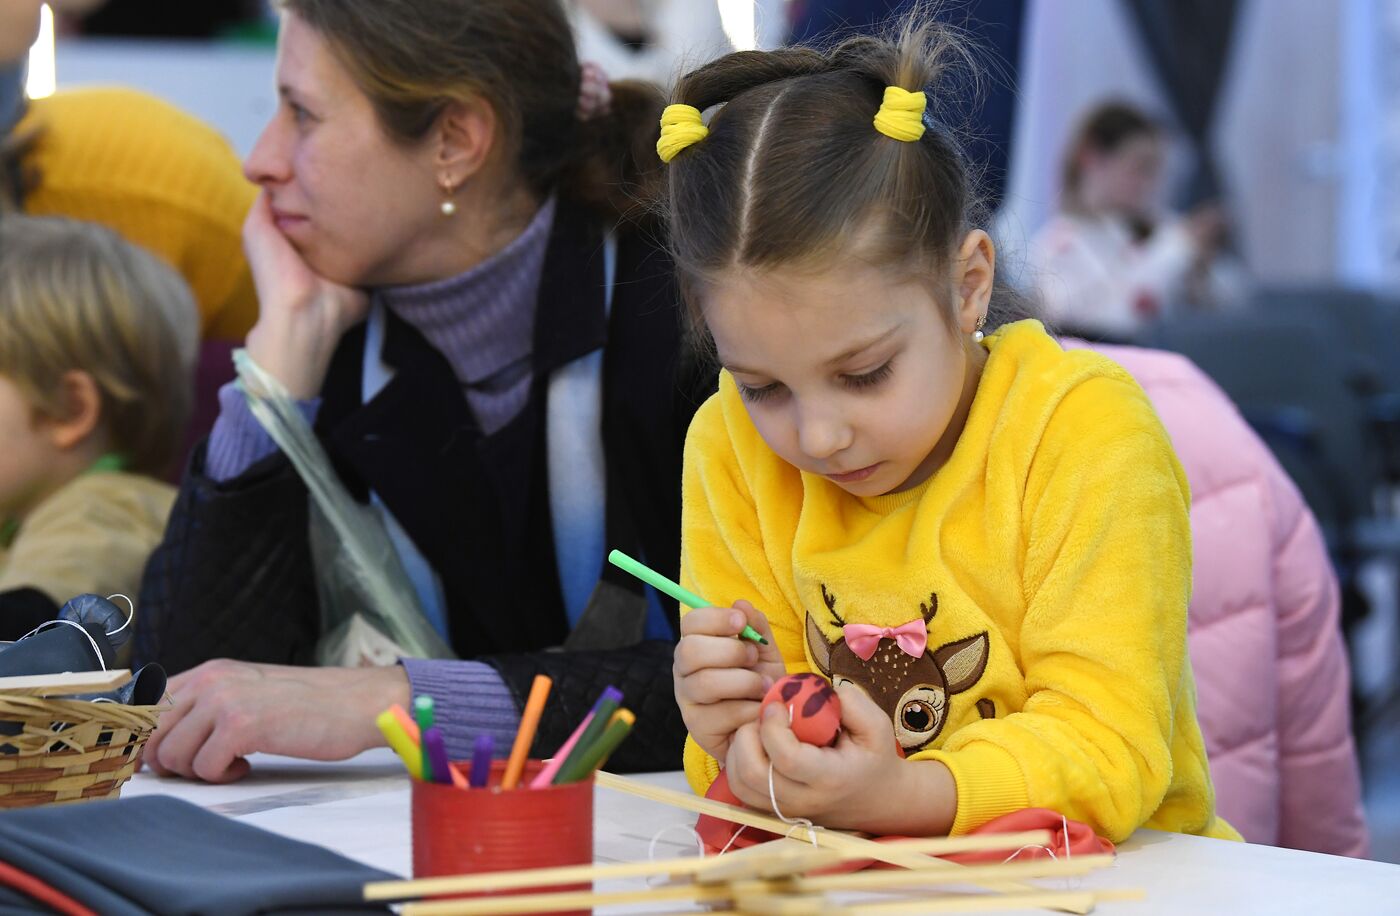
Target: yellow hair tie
point(901, 115)
point(680, 127)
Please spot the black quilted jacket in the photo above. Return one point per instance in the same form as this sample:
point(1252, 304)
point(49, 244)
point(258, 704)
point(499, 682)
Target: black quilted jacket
point(233, 576)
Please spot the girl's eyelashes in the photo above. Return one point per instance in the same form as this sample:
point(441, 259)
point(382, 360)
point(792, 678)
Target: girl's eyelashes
point(869, 379)
point(753, 395)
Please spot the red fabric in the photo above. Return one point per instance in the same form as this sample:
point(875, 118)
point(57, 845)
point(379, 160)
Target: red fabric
point(1072, 838)
point(40, 892)
point(1068, 838)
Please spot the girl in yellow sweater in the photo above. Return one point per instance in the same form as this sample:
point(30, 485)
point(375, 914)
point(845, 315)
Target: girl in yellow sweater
point(980, 539)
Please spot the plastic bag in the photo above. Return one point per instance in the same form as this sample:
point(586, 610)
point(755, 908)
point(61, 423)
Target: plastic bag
point(370, 613)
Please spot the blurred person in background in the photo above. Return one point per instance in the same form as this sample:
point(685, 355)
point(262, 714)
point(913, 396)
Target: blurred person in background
point(652, 40)
point(159, 177)
point(1109, 263)
point(95, 361)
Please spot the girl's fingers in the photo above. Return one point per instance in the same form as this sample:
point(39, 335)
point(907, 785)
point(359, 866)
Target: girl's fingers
point(715, 685)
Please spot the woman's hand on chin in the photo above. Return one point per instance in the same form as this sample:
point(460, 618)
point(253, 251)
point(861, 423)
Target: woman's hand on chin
point(301, 315)
point(225, 710)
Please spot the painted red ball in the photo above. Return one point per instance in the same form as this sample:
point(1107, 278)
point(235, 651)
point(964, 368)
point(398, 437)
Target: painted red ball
point(815, 708)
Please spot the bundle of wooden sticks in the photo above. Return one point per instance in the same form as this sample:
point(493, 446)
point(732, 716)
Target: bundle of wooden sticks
point(779, 877)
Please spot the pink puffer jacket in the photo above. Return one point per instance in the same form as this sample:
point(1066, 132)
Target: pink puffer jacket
point(1271, 668)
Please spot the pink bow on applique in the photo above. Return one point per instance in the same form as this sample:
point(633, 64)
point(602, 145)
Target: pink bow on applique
point(864, 639)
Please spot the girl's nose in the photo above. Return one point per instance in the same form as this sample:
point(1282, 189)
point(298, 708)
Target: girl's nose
point(822, 433)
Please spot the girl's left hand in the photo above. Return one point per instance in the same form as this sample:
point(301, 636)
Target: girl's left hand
point(860, 784)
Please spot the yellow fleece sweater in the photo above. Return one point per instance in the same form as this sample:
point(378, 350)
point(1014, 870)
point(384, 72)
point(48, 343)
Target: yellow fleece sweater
point(1048, 562)
point(158, 177)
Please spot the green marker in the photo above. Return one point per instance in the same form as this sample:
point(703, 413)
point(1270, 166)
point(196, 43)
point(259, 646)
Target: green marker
point(599, 751)
point(601, 719)
point(662, 584)
point(423, 715)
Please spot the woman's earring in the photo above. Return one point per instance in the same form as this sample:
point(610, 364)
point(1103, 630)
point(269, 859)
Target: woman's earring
point(977, 334)
point(448, 207)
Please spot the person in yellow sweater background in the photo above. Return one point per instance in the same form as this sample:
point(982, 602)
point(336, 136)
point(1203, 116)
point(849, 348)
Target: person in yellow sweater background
point(159, 177)
point(95, 362)
point(981, 539)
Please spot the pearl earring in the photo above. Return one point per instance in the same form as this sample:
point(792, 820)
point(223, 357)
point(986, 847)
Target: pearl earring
point(977, 334)
point(448, 207)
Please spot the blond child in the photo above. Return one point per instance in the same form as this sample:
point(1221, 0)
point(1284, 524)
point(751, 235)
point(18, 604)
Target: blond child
point(981, 539)
point(97, 347)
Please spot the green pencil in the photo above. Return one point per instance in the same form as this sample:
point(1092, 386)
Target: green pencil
point(599, 751)
point(423, 714)
point(606, 707)
point(662, 584)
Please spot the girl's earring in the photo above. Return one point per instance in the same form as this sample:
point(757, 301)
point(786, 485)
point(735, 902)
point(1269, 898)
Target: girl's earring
point(977, 334)
point(448, 207)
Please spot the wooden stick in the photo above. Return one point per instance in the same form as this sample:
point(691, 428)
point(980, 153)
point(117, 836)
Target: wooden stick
point(1069, 901)
point(992, 903)
point(762, 860)
point(57, 685)
point(834, 839)
point(533, 877)
point(886, 878)
point(701, 893)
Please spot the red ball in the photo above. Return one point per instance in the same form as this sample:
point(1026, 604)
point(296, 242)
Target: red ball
point(814, 706)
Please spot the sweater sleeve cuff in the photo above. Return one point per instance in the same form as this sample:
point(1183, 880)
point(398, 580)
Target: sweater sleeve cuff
point(238, 441)
point(701, 770)
point(470, 699)
point(990, 783)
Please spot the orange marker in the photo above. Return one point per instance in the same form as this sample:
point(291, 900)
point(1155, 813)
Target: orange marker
point(529, 721)
point(406, 721)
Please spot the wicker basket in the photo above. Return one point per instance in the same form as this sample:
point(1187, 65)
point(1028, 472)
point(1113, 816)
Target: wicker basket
point(68, 750)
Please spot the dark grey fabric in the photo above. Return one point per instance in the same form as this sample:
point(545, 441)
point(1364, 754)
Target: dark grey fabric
point(11, 94)
point(161, 855)
point(1188, 43)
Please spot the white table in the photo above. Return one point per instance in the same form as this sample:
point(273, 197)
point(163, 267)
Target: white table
point(360, 809)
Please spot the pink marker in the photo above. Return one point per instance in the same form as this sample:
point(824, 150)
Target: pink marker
point(546, 776)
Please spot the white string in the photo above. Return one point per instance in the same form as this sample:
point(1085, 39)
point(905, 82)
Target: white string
point(796, 823)
point(72, 623)
point(129, 617)
point(654, 880)
point(656, 838)
point(1064, 826)
point(734, 838)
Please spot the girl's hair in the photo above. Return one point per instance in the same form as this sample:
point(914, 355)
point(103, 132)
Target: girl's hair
point(1105, 128)
point(413, 58)
point(793, 170)
point(75, 296)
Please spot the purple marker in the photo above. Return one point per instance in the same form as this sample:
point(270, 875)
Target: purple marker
point(482, 752)
point(436, 752)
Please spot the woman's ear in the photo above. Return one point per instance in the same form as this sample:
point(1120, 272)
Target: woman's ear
point(975, 273)
point(467, 132)
point(82, 411)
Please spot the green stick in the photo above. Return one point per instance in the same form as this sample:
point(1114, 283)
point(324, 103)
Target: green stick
point(590, 736)
point(598, 752)
point(664, 585)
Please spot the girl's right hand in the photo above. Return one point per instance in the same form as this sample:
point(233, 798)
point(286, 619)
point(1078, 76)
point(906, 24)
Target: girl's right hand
point(301, 315)
point(720, 680)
